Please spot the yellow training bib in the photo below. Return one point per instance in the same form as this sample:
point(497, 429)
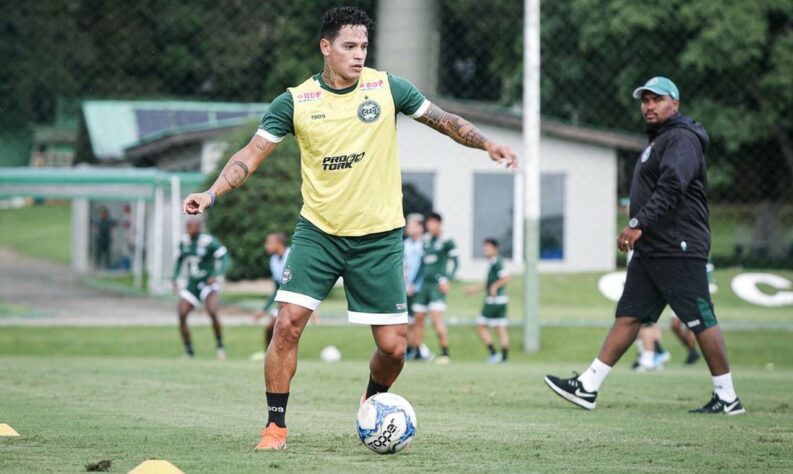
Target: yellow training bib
point(352, 183)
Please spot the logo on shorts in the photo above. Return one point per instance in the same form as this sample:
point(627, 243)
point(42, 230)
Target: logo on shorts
point(693, 324)
point(402, 306)
point(286, 276)
point(369, 111)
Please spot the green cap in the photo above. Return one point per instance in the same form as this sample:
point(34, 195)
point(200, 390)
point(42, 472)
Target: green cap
point(658, 85)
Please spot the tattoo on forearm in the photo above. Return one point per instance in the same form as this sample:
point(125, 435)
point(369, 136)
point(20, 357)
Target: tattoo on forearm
point(259, 146)
point(456, 127)
point(236, 174)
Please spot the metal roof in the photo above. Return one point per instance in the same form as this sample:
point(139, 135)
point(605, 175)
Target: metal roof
point(114, 125)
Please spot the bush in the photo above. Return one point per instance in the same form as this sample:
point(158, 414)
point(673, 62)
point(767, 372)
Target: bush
point(269, 201)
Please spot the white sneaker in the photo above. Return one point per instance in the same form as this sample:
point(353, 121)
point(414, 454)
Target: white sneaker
point(662, 358)
point(257, 356)
point(495, 359)
point(442, 360)
point(220, 354)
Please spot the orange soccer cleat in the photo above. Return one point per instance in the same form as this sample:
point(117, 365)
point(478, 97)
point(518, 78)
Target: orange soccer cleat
point(273, 437)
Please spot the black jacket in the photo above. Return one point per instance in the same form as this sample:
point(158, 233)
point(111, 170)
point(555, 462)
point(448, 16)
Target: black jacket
point(668, 191)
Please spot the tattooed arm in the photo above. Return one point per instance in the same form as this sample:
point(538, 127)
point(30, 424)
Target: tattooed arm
point(461, 131)
point(236, 171)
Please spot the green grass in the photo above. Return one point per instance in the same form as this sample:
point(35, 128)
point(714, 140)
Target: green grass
point(80, 395)
point(38, 231)
point(567, 297)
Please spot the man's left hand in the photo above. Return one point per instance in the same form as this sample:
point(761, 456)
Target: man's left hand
point(628, 238)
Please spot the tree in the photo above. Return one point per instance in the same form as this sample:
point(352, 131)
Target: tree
point(269, 201)
point(733, 62)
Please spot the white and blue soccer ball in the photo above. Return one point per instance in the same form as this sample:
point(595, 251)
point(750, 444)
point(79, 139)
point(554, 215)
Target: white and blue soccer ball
point(386, 423)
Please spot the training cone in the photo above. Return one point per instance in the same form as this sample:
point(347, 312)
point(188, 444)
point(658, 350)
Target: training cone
point(156, 466)
point(6, 430)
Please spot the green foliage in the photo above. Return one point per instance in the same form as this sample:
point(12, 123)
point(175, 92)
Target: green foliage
point(244, 50)
point(269, 201)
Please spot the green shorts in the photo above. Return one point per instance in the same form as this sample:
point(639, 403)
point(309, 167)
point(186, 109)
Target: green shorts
point(428, 298)
point(371, 266)
point(197, 291)
point(494, 312)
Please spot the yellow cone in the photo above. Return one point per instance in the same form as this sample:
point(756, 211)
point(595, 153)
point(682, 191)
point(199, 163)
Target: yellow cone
point(6, 430)
point(156, 466)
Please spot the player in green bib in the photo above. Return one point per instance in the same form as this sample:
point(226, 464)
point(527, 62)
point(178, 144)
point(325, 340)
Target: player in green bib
point(350, 226)
point(434, 275)
point(205, 259)
point(494, 309)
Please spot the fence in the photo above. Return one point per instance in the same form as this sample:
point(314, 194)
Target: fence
point(731, 61)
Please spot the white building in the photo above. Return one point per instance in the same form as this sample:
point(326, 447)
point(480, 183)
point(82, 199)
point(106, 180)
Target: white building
point(477, 197)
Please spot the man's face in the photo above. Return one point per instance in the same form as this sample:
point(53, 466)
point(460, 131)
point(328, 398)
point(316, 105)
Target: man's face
point(657, 109)
point(346, 54)
point(414, 229)
point(272, 245)
point(490, 250)
point(193, 228)
point(434, 227)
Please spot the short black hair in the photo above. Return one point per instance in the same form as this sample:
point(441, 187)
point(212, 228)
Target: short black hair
point(278, 235)
point(435, 216)
point(338, 17)
point(492, 241)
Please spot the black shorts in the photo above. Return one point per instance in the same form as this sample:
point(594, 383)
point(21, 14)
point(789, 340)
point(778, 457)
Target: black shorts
point(682, 283)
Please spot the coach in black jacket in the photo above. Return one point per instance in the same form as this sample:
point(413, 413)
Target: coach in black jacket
point(669, 233)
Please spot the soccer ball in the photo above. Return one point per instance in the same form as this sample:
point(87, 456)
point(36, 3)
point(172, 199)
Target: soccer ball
point(386, 423)
point(330, 354)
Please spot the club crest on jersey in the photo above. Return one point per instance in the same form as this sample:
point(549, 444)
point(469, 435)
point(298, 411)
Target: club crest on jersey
point(646, 153)
point(286, 276)
point(369, 111)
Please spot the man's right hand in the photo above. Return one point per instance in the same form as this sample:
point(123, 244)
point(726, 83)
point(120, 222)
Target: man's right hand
point(196, 203)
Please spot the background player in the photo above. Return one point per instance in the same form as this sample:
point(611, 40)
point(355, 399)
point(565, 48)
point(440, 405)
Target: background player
point(434, 272)
point(414, 250)
point(275, 245)
point(494, 309)
point(207, 260)
point(351, 221)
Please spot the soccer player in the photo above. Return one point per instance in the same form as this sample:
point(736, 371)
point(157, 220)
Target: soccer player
point(351, 221)
point(414, 250)
point(669, 233)
point(434, 272)
point(207, 260)
point(494, 310)
point(275, 245)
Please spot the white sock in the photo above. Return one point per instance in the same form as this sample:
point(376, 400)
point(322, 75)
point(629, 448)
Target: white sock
point(647, 359)
point(722, 385)
point(594, 376)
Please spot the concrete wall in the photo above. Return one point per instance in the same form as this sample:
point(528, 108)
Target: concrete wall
point(408, 41)
point(590, 188)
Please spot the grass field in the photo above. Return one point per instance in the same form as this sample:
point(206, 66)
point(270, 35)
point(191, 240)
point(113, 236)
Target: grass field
point(80, 395)
point(38, 231)
point(572, 297)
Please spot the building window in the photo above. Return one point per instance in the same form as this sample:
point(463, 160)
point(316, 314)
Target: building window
point(418, 189)
point(552, 216)
point(494, 206)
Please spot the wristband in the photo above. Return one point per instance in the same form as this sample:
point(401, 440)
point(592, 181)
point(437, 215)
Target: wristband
point(213, 196)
